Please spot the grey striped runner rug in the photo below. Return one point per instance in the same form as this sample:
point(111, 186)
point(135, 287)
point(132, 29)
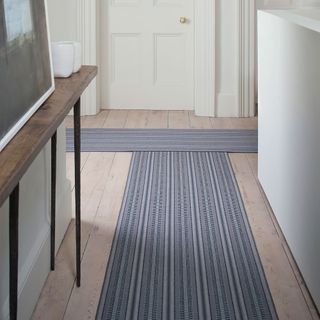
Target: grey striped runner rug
point(183, 248)
point(130, 140)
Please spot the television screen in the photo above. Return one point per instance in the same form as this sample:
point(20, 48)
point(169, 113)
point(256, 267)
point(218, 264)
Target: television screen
point(26, 79)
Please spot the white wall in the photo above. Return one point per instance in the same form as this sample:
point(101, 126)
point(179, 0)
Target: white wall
point(79, 20)
point(234, 48)
point(226, 58)
point(289, 149)
point(34, 224)
point(76, 20)
point(34, 229)
point(63, 19)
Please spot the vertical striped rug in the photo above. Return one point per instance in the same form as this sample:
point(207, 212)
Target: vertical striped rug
point(183, 248)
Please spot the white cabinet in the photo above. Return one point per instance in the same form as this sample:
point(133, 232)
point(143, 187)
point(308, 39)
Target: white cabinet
point(289, 130)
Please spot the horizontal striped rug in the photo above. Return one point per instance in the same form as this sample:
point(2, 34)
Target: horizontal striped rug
point(130, 140)
point(183, 248)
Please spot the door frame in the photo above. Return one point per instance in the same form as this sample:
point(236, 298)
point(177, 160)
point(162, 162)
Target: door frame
point(205, 57)
point(205, 101)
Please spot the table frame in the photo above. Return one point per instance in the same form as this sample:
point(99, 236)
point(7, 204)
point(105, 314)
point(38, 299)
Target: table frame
point(19, 154)
point(14, 215)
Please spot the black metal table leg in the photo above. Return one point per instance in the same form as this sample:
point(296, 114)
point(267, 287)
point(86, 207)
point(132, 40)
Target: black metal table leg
point(14, 250)
point(53, 198)
point(77, 157)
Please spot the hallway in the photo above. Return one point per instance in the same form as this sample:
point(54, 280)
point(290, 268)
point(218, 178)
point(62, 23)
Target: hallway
point(104, 178)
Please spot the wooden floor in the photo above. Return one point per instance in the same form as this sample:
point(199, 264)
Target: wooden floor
point(103, 182)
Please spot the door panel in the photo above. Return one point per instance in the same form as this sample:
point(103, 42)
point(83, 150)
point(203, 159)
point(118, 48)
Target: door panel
point(125, 58)
point(169, 57)
point(147, 54)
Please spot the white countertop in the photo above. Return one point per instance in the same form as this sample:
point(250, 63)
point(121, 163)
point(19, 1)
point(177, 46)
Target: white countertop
point(305, 17)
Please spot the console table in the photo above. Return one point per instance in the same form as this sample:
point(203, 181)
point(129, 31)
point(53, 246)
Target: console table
point(18, 155)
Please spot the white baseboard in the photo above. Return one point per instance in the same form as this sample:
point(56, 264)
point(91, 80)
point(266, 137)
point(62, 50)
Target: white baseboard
point(36, 268)
point(89, 102)
point(227, 105)
point(151, 109)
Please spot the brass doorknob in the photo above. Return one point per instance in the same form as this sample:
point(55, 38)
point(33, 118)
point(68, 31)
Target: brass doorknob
point(183, 20)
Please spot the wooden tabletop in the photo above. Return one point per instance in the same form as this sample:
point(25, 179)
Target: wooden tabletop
point(18, 155)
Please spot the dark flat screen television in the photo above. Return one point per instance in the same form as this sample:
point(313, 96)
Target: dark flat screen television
point(26, 77)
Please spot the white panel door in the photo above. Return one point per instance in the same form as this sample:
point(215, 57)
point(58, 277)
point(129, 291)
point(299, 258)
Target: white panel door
point(147, 54)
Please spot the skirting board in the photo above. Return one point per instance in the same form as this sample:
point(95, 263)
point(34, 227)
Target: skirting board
point(227, 105)
point(90, 105)
point(37, 267)
point(173, 108)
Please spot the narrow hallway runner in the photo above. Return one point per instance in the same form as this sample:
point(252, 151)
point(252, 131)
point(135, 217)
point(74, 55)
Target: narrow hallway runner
point(131, 140)
point(183, 248)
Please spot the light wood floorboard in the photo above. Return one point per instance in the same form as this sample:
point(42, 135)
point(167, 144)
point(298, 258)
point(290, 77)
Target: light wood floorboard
point(83, 301)
point(116, 119)
point(103, 182)
point(280, 275)
point(253, 162)
point(158, 119)
point(244, 123)
point(222, 123)
point(95, 121)
point(137, 119)
point(199, 122)
point(161, 119)
point(179, 119)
